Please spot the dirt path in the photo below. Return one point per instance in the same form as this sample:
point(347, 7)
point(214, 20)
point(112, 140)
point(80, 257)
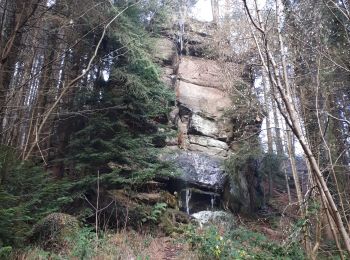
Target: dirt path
point(166, 248)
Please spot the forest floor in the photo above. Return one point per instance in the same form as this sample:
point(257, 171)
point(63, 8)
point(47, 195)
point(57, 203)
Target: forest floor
point(125, 245)
point(247, 238)
point(212, 242)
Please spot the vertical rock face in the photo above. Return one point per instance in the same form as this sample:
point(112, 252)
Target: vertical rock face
point(205, 129)
point(202, 103)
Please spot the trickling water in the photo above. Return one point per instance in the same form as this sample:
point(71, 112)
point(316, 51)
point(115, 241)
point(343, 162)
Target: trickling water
point(200, 175)
point(181, 21)
point(181, 33)
point(187, 200)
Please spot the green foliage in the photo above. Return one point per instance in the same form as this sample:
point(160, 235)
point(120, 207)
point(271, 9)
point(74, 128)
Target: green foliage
point(82, 246)
point(5, 252)
point(26, 195)
point(156, 212)
point(239, 244)
point(7, 158)
point(114, 137)
point(128, 109)
point(156, 14)
point(210, 243)
point(83, 243)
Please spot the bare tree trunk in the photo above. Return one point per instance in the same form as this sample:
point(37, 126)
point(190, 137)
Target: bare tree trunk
point(287, 186)
point(294, 169)
point(268, 131)
point(267, 118)
point(279, 144)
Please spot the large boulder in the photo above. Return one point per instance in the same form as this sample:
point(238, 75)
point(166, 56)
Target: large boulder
point(242, 190)
point(56, 231)
point(207, 217)
point(236, 194)
point(198, 169)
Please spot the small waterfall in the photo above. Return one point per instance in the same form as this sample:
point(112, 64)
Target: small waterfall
point(181, 22)
point(201, 182)
point(188, 198)
point(212, 201)
point(181, 33)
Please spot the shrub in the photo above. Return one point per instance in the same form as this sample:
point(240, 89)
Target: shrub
point(27, 194)
point(156, 212)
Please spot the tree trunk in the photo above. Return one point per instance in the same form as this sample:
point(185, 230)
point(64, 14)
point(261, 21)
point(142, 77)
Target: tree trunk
point(18, 15)
point(279, 144)
point(287, 109)
point(267, 118)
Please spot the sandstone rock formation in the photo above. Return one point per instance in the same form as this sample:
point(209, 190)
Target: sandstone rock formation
point(205, 128)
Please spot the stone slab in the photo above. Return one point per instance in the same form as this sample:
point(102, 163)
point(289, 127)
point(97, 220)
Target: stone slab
point(202, 72)
point(209, 101)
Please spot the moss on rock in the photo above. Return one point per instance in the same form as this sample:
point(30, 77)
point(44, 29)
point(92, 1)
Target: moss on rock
point(172, 221)
point(55, 231)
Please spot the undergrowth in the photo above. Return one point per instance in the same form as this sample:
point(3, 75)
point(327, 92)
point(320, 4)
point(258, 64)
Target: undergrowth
point(210, 243)
point(122, 245)
point(240, 243)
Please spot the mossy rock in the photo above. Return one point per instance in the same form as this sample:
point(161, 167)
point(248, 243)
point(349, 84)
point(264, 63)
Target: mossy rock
point(169, 199)
point(56, 231)
point(172, 221)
